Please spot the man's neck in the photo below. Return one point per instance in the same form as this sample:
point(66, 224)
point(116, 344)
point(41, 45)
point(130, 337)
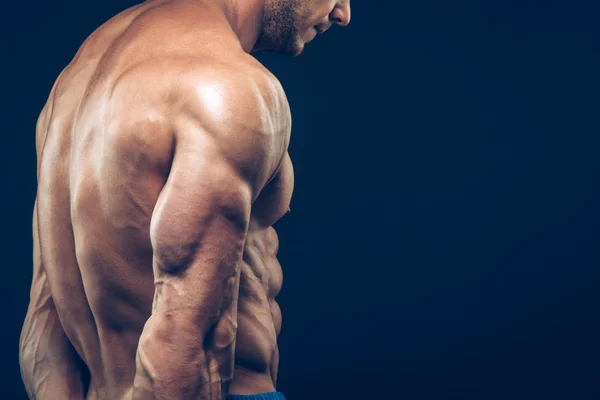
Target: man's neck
point(244, 16)
point(246, 20)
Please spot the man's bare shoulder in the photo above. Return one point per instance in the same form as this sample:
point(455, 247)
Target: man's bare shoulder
point(238, 106)
point(243, 96)
point(217, 91)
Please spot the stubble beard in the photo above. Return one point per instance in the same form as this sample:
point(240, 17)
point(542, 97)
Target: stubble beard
point(279, 33)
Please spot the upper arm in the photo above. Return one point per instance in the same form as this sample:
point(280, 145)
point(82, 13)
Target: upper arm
point(230, 135)
point(228, 144)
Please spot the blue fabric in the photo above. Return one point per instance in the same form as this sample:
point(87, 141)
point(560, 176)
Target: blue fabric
point(260, 396)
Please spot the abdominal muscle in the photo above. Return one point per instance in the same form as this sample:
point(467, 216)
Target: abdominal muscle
point(259, 316)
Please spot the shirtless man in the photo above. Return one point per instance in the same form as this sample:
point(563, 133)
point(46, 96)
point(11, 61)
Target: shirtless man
point(162, 166)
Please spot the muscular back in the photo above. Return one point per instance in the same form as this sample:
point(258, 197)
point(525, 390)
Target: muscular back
point(162, 164)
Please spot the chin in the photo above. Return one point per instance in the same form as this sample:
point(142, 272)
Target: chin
point(297, 48)
point(292, 49)
point(298, 51)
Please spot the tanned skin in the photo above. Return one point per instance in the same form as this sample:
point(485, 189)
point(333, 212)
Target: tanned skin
point(162, 166)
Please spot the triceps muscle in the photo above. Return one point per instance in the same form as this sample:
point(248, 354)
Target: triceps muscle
point(198, 232)
point(226, 148)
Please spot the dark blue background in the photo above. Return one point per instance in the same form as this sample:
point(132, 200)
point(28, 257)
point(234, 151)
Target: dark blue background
point(443, 241)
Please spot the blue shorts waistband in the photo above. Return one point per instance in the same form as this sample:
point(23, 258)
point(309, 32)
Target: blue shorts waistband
point(260, 396)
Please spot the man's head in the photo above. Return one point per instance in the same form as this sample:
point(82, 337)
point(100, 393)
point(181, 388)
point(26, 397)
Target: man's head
point(289, 24)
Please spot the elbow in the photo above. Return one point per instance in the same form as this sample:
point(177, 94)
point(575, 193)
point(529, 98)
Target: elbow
point(181, 337)
point(173, 356)
point(170, 338)
point(169, 353)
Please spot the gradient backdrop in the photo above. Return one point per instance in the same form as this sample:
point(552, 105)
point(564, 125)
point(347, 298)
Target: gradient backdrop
point(444, 237)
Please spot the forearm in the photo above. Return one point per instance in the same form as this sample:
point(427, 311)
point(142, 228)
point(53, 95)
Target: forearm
point(50, 367)
point(173, 362)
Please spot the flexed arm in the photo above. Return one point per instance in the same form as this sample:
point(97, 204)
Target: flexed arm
point(225, 151)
